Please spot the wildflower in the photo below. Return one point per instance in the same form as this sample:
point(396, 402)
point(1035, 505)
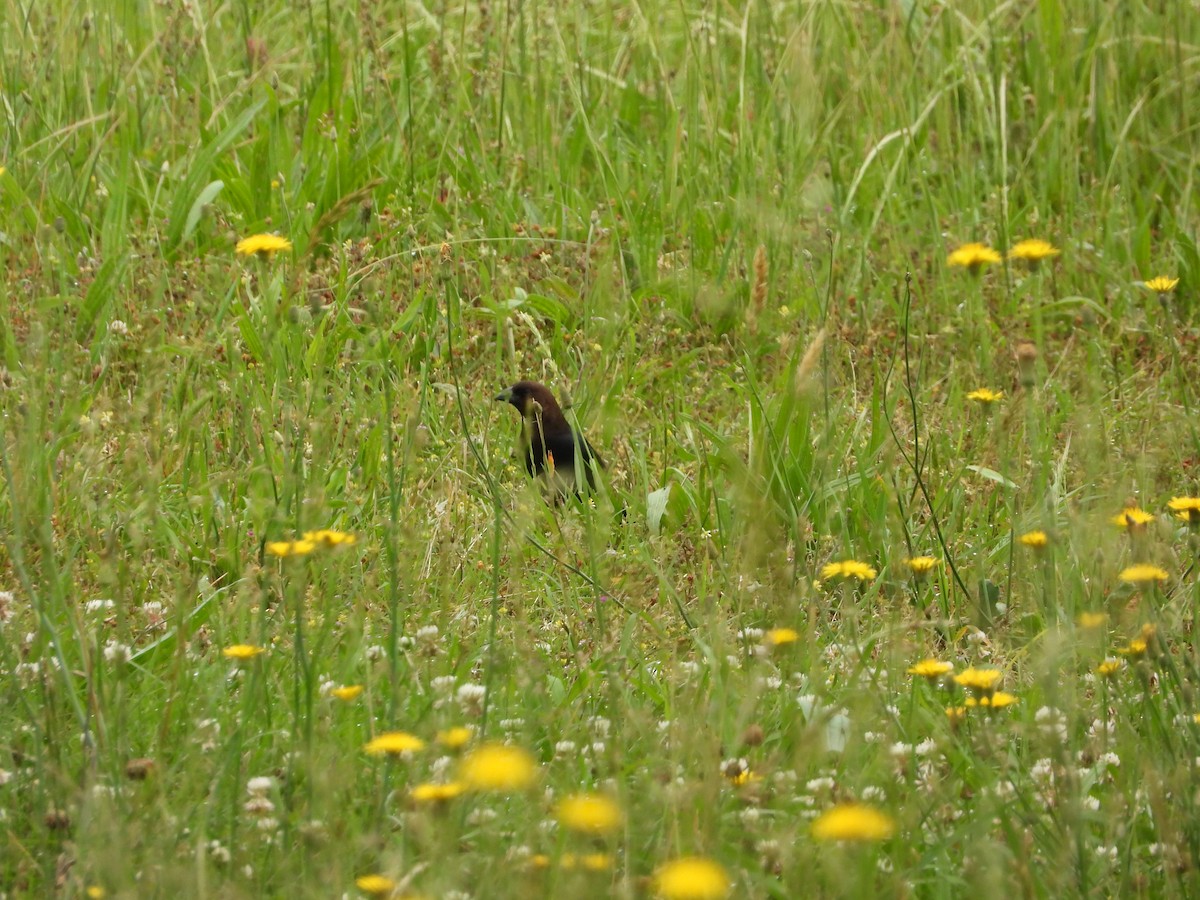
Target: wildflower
point(1109, 668)
point(346, 692)
point(932, 669)
point(737, 772)
point(328, 538)
point(94, 891)
point(981, 681)
point(1135, 649)
point(973, 257)
point(848, 568)
point(853, 822)
point(1026, 353)
point(691, 878)
point(242, 652)
point(264, 244)
point(498, 767)
point(1186, 509)
point(1036, 540)
point(1143, 574)
point(777, 637)
point(1132, 518)
point(998, 700)
point(921, 565)
point(596, 862)
point(589, 813)
point(455, 738)
point(985, 396)
point(284, 549)
point(956, 714)
point(1032, 251)
point(1162, 285)
point(375, 885)
point(1091, 620)
point(437, 793)
point(394, 743)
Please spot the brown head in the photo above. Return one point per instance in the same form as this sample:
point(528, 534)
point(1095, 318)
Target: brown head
point(531, 398)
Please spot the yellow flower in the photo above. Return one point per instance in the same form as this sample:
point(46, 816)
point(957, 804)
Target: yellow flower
point(455, 738)
point(853, 822)
point(498, 767)
point(1091, 620)
point(778, 636)
point(242, 652)
point(266, 244)
point(284, 549)
point(922, 565)
point(981, 681)
point(394, 743)
point(691, 878)
point(1135, 649)
point(328, 538)
point(94, 891)
point(998, 700)
point(956, 714)
point(973, 257)
point(1162, 284)
point(596, 862)
point(931, 669)
point(1032, 251)
point(1143, 574)
point(1109, 668)
point(589, 813)
point(1035, 539)
point(346, 692)
point(1132, 517)
point(1186, 509)
point(986, 396)
point(437, 793)
point(375, 885)
point(848, 568)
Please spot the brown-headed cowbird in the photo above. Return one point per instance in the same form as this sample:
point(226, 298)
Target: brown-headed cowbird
point(552, 448)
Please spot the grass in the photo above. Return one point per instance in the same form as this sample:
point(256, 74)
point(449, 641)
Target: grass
point(725, 232)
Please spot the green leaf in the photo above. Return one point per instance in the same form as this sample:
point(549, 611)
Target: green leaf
point(193, 217)
point(656, 507)
point(992, 475)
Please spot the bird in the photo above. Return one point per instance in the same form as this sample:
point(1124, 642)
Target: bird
point(551, 447)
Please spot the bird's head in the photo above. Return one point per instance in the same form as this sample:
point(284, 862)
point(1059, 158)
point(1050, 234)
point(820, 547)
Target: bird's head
point(529, 398)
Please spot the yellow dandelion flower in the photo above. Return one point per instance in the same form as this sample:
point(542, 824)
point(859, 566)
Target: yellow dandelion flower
point(437, 793)
point(596, 862)
point(1143, 574)
point(242, 652)
point(1133, 518)
point(1109, 668)
point(375, 885)
point(777, 637)
point(498, 767)
point(691, 878)
point(1186, 509)
point(1032, 251)
point(394, 743)
point(985, 396)
point(956, 714)
point(848, 568)
point(455, 738)
point(981, 681)
point(1196, 718)
point(932, 669)
point(539, 861)
point(1135, 649)
point(1090, 620)
point(1162, 285)
point(284, 549)
point(589, 813)
point(973, 257)
point(922, 565)
point(1036, 540)
point(853, 822)
point(266, 244)
point(998, 700)
point(94, 891)
point(329, 538)
point(346, 692)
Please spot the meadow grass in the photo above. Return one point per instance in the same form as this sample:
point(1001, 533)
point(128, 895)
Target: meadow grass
point(726, 232)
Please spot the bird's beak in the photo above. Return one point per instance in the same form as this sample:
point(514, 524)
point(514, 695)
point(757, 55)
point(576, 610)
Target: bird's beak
point(505, 395)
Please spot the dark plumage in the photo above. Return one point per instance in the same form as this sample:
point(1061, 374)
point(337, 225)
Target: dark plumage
point(549, 443)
